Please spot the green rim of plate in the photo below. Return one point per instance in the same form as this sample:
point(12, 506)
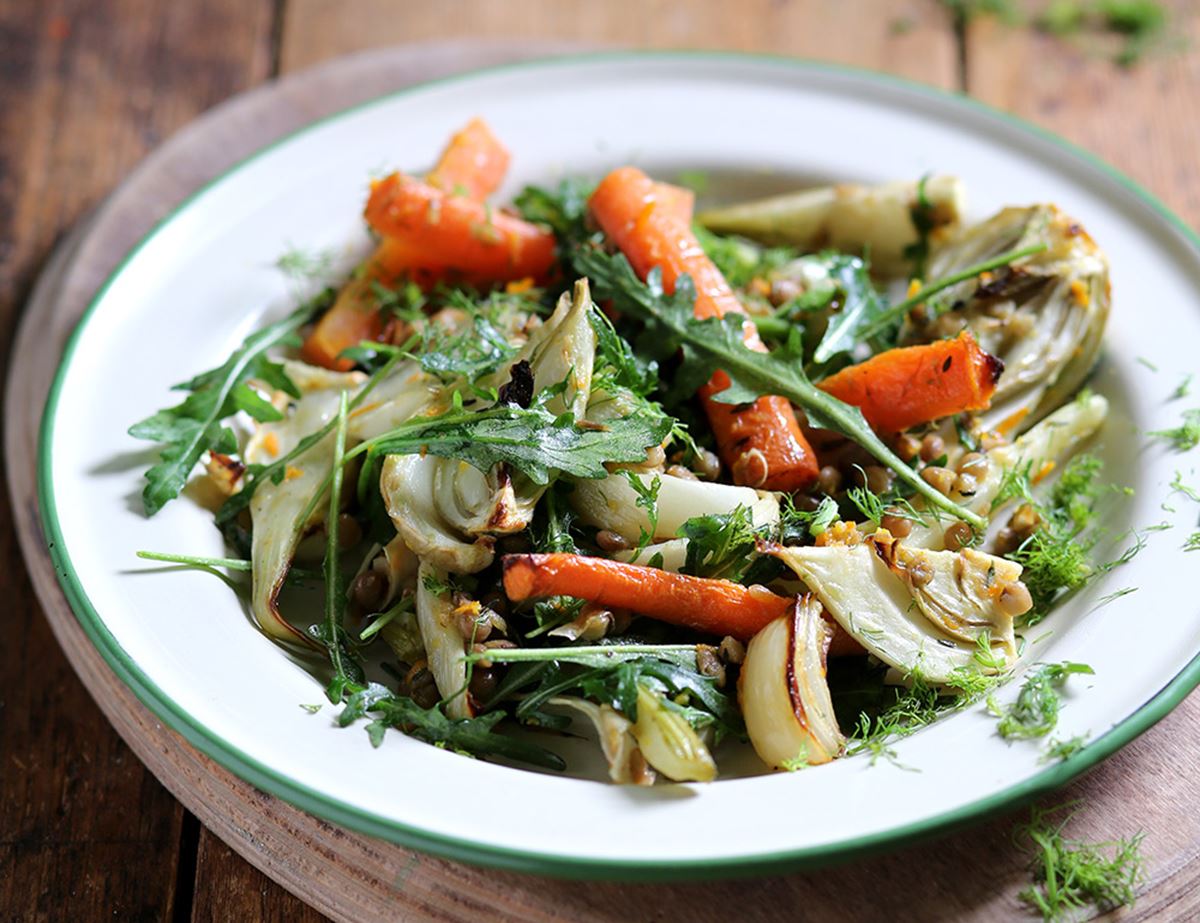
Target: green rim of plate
point(478, 851)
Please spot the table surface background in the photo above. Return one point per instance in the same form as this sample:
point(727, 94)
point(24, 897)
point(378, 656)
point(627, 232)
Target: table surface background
point(89, 87)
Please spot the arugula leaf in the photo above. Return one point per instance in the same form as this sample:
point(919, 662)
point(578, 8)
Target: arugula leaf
point(531, 440)
point(717, 343)
point(740, 260)
point(193, 427)
point(1035, 711)
point(478, 350)
point(861, 308)
point(610, 674)
point(470, 736)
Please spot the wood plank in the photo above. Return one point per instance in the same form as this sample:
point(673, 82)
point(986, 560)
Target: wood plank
point(973, 874)
point(230, 888)
point(1142, 120)
point(907, 37)
point(88, 88)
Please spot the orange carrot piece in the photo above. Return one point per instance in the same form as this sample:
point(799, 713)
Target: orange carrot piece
point(915, 384)
point(761, 444)
point(719, 607)
point(676, 201)
point(473, 163)
point(462, 235)
point(354, 316)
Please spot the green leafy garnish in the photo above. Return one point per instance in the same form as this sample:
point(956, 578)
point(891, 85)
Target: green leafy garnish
point(530, 440)
point(469, 736)
point(1192, 543)
point(301, 265)
point(1069, 874)
point(717, 343)
point(193, 427)
point(1035, 711)
point(1186, 435)
point(1064, 749)
point(720, 544)
point(861, 312)
point(740, 260)
point(921, 213)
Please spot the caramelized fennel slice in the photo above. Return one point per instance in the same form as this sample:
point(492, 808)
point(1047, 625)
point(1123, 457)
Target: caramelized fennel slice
point(447, 510)
point(1050, 443)
point(911, 608)
point(445, 645)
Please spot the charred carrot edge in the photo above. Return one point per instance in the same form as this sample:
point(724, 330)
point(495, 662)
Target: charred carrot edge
point(718, 607)
point(457, 233)
point(903, 387)
point(472, 164)
point(761, 444)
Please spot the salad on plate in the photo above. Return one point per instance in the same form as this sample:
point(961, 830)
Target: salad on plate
point(800, 472)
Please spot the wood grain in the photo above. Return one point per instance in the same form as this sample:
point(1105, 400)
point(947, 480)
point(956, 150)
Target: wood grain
point(908, 37)
point(974, 874)
point(970, 875)
point(1142, 120)
point(87, 89)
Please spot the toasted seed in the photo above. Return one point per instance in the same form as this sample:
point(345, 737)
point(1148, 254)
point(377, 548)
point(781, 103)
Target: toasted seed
point(879, 479)
point(1015, 599)
point(829, 480)
point(611, 541)
point(368, 589)
point(679, 471)
point(966, 484)
point(710, 664)
point(908, 447)
point(707, 464)
point(899, 526)
point(958, 535)
point(732, 650)
point(974, 464)
point(933, 446)
point(940, 479)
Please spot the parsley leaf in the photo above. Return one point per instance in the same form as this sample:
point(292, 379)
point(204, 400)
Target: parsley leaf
point(193, 427)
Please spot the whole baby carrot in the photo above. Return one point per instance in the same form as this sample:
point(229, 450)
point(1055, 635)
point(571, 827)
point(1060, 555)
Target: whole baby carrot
point(760, 443)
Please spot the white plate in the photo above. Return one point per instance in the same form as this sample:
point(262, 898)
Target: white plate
point(204, 279)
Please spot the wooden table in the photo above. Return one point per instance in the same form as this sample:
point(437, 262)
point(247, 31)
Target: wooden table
point(88, 87)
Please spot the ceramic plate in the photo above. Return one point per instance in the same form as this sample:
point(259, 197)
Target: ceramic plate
point(205, 278)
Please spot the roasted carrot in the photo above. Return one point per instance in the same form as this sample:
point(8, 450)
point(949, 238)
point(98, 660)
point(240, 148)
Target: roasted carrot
point(676, 201)
point(719, 607)
point(354, 316)
point(903, 387)
point(761, 444)
point(462, 235)
point(473, 163)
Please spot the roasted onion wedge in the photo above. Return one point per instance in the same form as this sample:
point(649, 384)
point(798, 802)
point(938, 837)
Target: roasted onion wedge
point(784, 696)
